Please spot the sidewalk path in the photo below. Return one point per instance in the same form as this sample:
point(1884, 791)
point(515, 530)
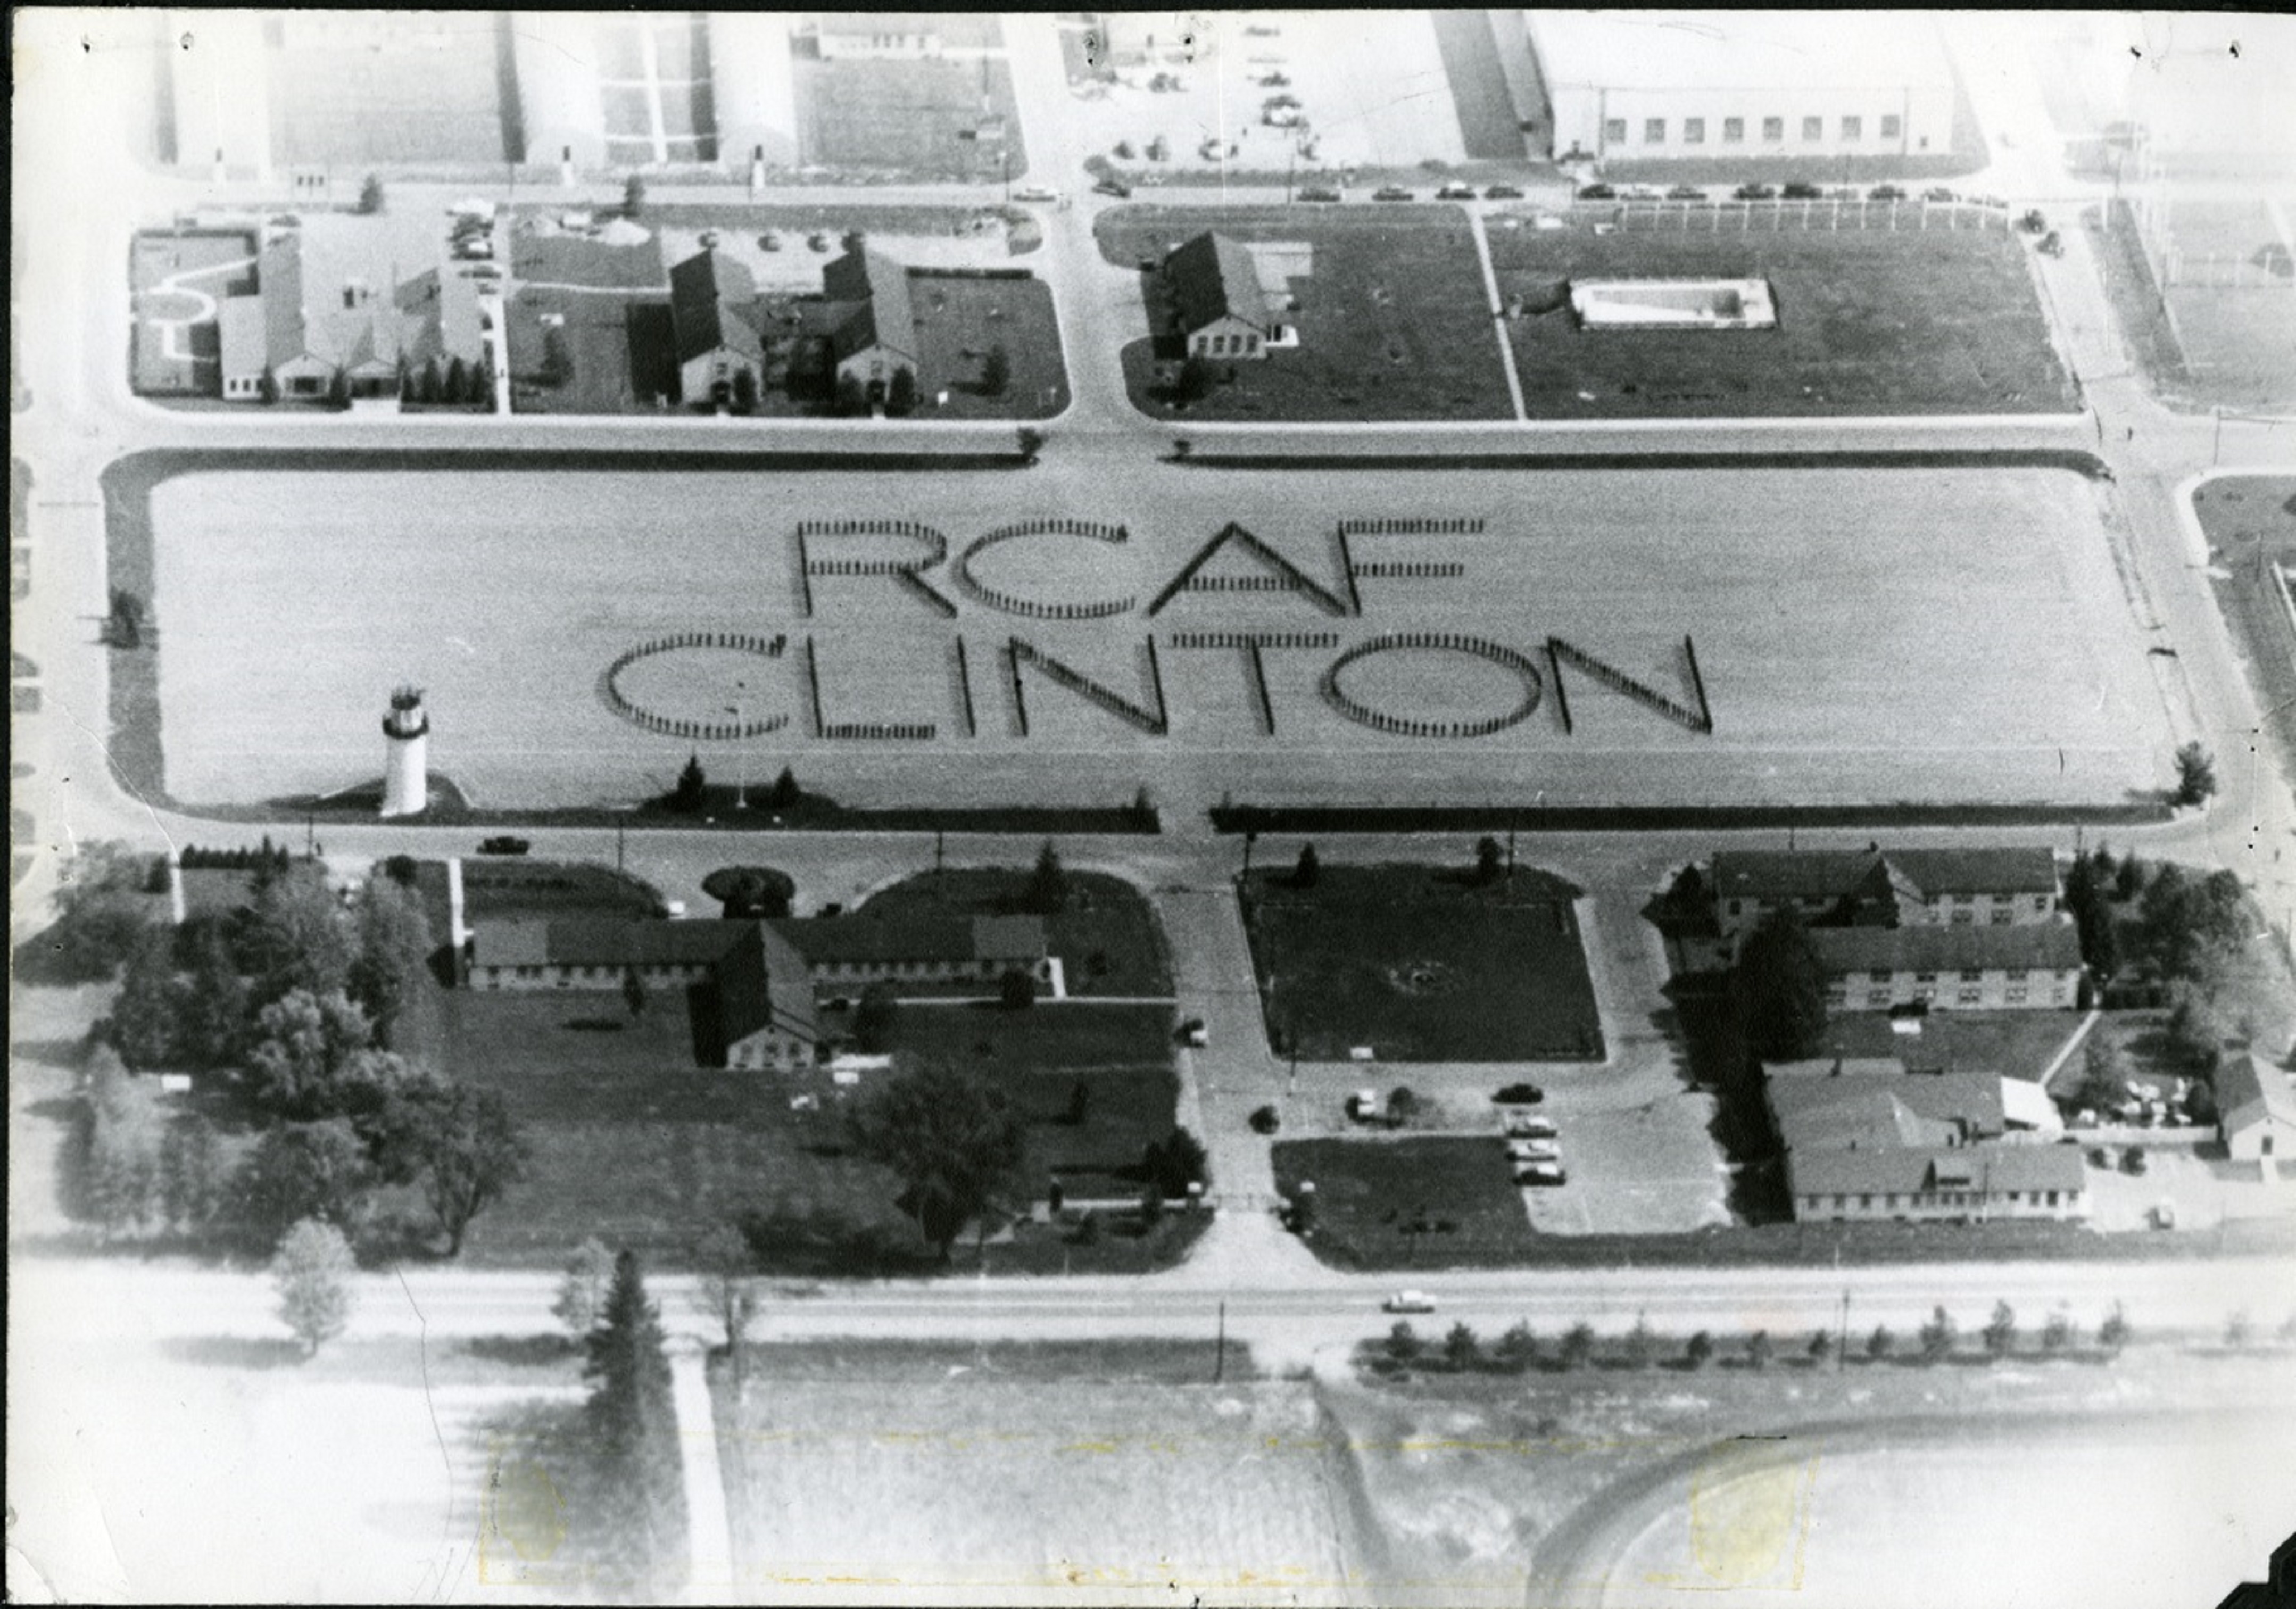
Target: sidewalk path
point(710, 1537)
point(1498, 310)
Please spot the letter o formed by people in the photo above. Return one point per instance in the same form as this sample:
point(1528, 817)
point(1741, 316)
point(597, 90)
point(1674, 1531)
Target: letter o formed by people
point(1449, 641)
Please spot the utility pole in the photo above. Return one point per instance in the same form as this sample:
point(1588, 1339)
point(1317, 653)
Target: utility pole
point(940, 841)
point(310, 835)
point(1219, 1359)
point(1250, 838)
point(618, 832)
point(1841, 1353)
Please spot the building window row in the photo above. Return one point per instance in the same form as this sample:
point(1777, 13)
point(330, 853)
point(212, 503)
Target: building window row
point(1852, 130)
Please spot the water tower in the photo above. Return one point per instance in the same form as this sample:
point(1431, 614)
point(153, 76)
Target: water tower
point(406, 771)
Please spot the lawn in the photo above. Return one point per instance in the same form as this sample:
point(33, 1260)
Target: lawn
point(1869, 322)
point(1402, 1204)
point(1394, 320)
point(1418, 965)
point(606, 340)
point(2250, 521)
point(960, 319)
point(902, 120)
point(503, 887)
point(213, 263)
point(1108, 938)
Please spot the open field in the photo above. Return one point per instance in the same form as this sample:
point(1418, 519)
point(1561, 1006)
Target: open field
point(409, 88)
point(998, 1487)
point(901, 118)
point(1864, 635)
point(1411, 962)
point(2200, 346)
point(2251, 525)
point(1869, 322)
point(1394, 320)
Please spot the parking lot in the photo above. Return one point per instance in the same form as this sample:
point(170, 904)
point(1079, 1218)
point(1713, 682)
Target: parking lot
point(2188, 1175)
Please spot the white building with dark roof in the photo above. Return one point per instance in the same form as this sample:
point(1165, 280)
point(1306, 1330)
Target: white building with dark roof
point(1727, 85)
point(2256, 1108)
point(1986, 886)
point(875, 336)
point(2022, 967)
point(858, 948)
point(1218, 301)
point(713, 303)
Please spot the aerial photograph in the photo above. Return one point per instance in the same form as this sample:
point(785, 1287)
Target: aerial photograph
point(1264, 808)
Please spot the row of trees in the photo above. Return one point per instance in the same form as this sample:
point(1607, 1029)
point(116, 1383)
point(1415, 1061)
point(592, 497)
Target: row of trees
point(1519, 1348)
point(2179, 924)
point(459, 382)
point(689, 796)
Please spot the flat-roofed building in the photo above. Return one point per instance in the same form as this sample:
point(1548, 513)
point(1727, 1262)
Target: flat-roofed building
point(1726, 86)
point(878, 36)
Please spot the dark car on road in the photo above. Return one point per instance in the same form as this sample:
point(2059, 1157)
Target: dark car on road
point(1800, 190)
point(1393, 193)
point(1685, 193)
point(504, 844)
point(1502, 192)
point(1753, 193)
point(1598, 192)
point(1455, 193)
point(1319, 193)
point(1885, 192)
point(1114, 187)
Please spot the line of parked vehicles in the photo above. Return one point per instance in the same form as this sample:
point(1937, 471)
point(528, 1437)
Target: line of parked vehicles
point(1798, 190)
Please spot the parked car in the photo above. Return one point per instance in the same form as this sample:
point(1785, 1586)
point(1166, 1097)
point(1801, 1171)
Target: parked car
point(769, 241)
point(1116, 187)
point(1455, 193)
point(2033, 222)
point(1408, 1301)
point(1523, 1125)
point(1754, 192)
point(1939, 192)
point(1640, 193)
point(1320, 193)
point(1541, 1174)
point(1036, 192)
point(1534, 1151)
point(1393, 193)
point(1519, 1095)
point(1685, 193)
point(1801, 190)
point(1501, 193)
point(2133, 1162)
point(504, 844)
point(1193, 1032)
point(817, 240)
point(1597, 193)
point(1885, 192)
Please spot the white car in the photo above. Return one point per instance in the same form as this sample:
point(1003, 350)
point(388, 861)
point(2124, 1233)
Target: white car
point(1522, 1125)
point(1036, 192)
point(1409, 1302)
point(1541, 1173)
point(1534, 1151)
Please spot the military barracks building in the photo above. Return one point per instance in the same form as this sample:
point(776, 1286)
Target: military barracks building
point(1976, 929)
point(1866, 1138)
point(764, 972)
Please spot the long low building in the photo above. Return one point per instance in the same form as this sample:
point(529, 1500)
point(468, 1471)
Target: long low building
point(2030, 967)
point(1956, 1182)
point(859, 949)
point(1983, 887)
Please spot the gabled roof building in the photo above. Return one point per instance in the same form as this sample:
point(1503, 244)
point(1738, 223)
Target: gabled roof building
point(1217, 304)
point(713, 304)
point(873, 334)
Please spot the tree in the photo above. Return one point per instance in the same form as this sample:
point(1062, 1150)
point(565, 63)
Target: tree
point(1491, 862)
point(634, 993)
point(1196, 380)
point(2196, 774)
point(581, 1300)
point(1640, 1344)
point(302, 1170)
point(370, 196)
point(1938, 1336)
point(2057, 1332)
point(457, 388)
point(1151, 1204)
point(1016, 990)
point(1030, 442)
point(2194, 1033)
point(101, 912)
point(1577, 1345)
point(691, 789)
point(302, 1045)
point(728, 1291)
point(1780, 989)
point(297, 937)
point(214, 1016)
point(557, 358)
point(2114, 1332)
point(1306, 873)
point(633, 196)
point(1047, 892)
point(1175, 1161)
point(338, 389)
point(997, 372)
point(1757, 1350)
point(950, 1136)
point(123, 626)
point(852, 396)
point(901, 393)
point(312, 1273)
point(874, 1019)
point(2239, 1330)
point(1700, 1351)
point(2193, 927)
point(632, 1431)
point(191, 1176)
point(1880, 1344)
point(785, 793)
point(1404, 1105)
point(392, 960)
point(147, 1015)
point(1461, 1350)
point(2101, 1089)
point(2001, 1331)
point(1518, 1349)
point(120, 1184)
point(1820, 1347)
point(745, 390)
point(2128, 877)
point(1403, 1342)
point(266, 385)
point(429, 383)
point(471, 1151)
